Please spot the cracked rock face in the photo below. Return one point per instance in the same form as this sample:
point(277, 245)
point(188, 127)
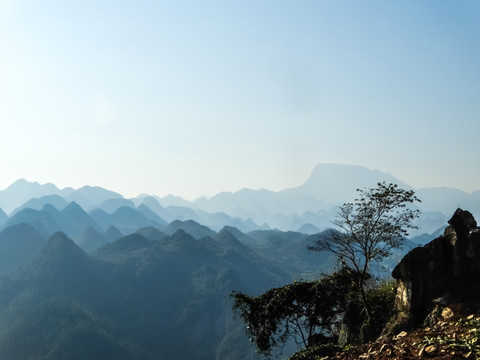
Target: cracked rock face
point(448, 265)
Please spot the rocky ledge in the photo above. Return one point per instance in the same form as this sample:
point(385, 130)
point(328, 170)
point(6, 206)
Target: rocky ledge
point(437, 300)
point(446, 269)
point(453, 335)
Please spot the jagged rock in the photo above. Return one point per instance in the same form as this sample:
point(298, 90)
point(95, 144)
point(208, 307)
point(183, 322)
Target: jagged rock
point(433, 318)
point(448, 264)
point(447, 313)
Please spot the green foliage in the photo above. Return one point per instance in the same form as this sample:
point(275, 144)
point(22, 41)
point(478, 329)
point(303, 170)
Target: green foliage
point(357, 326)
point(158, 300)
point(317, 352)
point(469, 342)
point(76, 332)
point(382, 299)
point(305, 311)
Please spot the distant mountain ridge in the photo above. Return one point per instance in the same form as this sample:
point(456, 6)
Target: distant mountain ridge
point(313, 202)
point(144, 277)
point(336, 183)
point(21, 191)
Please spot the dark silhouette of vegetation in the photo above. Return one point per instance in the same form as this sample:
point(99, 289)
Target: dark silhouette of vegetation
point(370, 228)
point(315, 313)
point(308, 312)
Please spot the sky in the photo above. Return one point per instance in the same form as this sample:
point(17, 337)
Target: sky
point(197, 97)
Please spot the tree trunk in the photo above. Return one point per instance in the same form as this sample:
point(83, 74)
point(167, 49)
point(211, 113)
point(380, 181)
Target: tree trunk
point(361, 286)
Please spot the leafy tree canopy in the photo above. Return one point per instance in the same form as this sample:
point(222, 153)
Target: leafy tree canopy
point(307, 312)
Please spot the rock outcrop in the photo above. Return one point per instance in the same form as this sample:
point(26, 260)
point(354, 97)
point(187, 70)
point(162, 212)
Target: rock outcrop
point(448, 266)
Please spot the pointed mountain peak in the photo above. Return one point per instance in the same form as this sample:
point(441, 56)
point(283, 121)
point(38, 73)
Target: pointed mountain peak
point(127, 243)
point(50, 208)
point(225, 234)
point(150, 201)
point(59, 252)
point(38, 203)
point(59, 244)
point(19, 182)
point(113, 233)
point(183, 236)
point(232, 230)
point(152, 233)
point(78, 216)
point(25, 184)
point(227, 237)
point(181, 241)
point(60, 241)
point(136, 239)
point(74, 209)
point(191, 227)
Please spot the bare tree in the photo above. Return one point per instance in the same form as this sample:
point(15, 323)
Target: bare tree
point(369, 229)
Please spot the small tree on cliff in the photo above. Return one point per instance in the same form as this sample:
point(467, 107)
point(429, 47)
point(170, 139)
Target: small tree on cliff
point(370, 228)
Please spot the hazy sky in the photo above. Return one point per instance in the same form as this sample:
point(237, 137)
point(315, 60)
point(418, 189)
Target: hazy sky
point(196, 97)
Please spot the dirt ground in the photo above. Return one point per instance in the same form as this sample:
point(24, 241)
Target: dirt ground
point(453, 335)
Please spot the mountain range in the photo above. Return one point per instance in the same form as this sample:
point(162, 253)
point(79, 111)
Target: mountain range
point(310, 206)
point(89, 274)
point(151, 294)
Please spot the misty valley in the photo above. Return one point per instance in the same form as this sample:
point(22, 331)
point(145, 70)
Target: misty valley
point(162, 292)
point(239, 180)
point(88, 274)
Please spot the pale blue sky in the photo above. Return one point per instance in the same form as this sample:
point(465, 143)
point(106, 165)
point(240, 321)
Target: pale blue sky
point(196, 97)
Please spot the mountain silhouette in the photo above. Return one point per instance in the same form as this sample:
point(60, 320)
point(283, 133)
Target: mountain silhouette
point(153, 204)
point(21, 191)
point(191, 227)
point(77, 217)
point(312, 202)
point(129, 220)
point(38, 203)
point(446, 200)
point(309, 229)
point(42, 220)
point(127, 243)
point(3, 217)
point(18, 243)
point(61, 268)
point(112, 234)
point(111, 205)
point(152, 233)
point(148, 213)
point(91, 239)
point(89, 197)
point(336, 183)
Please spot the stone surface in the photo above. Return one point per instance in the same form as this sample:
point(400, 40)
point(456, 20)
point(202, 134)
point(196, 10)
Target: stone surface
point(430, 349)
point(447, 313)
point(447, 266)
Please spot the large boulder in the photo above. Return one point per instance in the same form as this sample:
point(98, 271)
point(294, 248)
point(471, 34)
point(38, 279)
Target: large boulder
point(447, 266)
